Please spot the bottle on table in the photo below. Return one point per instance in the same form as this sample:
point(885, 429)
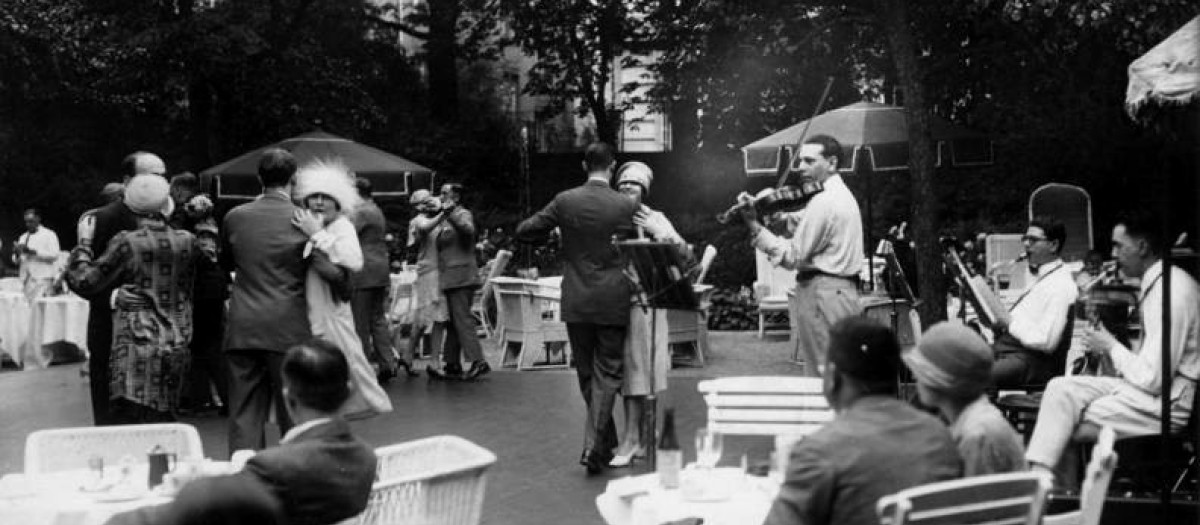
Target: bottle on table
point(669, 457)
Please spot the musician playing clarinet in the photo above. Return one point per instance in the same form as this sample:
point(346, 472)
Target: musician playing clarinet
point(1129, 403)
point(824, 243)
point(1025, 346)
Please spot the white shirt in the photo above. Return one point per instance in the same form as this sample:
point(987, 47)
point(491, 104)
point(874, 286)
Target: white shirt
point(1143, 368)
point(1039, 317)
point(301, 428)
point(40, 265)
point(826, 235)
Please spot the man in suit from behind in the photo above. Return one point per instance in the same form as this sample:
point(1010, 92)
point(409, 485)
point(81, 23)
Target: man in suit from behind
point(110, 219)
point(320, 473)
point(371, 284)
point(267, 310)
point(595, 293)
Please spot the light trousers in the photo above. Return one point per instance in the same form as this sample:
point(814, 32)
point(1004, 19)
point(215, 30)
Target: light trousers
point(819, 302)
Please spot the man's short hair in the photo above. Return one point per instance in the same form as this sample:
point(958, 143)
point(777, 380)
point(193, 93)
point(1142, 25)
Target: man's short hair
point(867, 352)
point(454, 187)
point(32, 211)
point(317, 375)
point(598, 157)
point(1144, 225)
point(131, 164)
point(1052, 228)
point(363, 185)
point(276, 167)
point(185, 181)
point(830, 147)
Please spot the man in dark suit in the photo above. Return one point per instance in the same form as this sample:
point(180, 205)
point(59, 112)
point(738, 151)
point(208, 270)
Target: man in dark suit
point(320, 472)
point(458, 277)
point(371, 284)
point(267, 310)
point(595, 293)
point(110, 219)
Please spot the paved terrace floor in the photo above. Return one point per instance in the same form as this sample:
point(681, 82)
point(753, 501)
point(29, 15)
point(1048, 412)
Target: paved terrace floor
point(531, 420)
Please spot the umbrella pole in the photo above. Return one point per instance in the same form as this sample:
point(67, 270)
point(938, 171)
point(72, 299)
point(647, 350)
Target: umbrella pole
point(870, 238)
point(1168, 371)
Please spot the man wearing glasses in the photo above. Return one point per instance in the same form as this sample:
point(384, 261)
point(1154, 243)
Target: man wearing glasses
point(1026, 345)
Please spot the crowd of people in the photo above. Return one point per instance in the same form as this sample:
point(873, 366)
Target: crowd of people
point(306, 304)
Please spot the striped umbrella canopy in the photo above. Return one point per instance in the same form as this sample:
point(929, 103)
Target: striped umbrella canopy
point(390, 175)
point(874, 137)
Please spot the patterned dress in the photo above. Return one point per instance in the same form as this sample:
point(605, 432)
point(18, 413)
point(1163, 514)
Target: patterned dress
point(152, 269)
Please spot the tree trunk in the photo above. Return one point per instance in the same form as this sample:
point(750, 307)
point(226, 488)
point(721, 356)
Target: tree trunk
point(441, 59)
point(901, 43)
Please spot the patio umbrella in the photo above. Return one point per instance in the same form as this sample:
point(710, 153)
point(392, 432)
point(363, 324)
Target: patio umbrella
point(1168, 74)
point(390, 175)
point(875, 138)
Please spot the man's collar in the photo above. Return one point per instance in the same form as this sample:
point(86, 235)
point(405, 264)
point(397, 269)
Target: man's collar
point(1152, 273)
point(295, 432)
point(1048, 267)
point(597, 180)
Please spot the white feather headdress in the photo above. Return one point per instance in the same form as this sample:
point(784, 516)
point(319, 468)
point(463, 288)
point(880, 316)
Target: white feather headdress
point(330, 177)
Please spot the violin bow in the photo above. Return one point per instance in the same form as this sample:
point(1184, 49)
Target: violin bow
point(786, 169)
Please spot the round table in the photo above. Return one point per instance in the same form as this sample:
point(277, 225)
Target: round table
point(53, 319)
point(14, 324)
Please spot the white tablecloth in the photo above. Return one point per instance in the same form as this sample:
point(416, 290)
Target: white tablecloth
point(14, 324)
point(58, 498)
point(54, 319)
point(749, 503)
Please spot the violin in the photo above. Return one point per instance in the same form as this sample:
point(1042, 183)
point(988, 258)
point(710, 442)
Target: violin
point(774, 200)
point(784, 197)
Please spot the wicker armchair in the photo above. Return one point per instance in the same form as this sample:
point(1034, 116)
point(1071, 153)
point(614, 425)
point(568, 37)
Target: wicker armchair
point(59, 449)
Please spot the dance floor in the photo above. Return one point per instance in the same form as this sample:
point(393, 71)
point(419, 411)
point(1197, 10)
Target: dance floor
point(531, 420)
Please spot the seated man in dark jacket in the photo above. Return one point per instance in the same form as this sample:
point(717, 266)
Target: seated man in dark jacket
point(876, 446)
point(320, 472)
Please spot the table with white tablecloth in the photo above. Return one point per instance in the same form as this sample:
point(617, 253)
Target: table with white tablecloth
point(58, 498)
point(14, 324)
point(640, 500)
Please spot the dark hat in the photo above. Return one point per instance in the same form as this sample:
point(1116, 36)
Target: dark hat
point(864, 349)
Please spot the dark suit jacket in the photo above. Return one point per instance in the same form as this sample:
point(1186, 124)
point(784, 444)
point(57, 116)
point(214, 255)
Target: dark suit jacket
point(456, 251)
point(321, 477)
point(111, 219)
point(594, 288)
point(267, 310)
point(370, 225)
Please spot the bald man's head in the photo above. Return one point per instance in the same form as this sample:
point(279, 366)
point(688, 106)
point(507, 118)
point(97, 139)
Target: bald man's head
point(143, 163)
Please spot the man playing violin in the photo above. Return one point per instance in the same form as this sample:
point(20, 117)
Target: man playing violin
point(1026, 345)
point(823, 243)
point(1077, 406)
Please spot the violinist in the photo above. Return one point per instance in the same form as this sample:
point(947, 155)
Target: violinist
point(824, 244)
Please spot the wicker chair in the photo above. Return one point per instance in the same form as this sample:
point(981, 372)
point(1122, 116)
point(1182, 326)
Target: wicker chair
point(433, 481)
point(59, 449)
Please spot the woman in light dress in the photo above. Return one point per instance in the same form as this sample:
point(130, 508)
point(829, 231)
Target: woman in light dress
point(430, 307)
point(633, 180)
point(325, 191)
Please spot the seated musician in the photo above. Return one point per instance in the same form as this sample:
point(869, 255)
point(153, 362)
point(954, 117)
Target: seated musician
point(1025, 346)
point(1129, 403)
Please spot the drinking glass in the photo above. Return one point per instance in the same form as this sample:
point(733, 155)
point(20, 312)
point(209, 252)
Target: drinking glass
point(708, 448)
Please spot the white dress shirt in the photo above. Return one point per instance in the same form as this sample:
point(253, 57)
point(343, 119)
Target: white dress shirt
point(1143, 368)
point(1039, 316)
point(41, 264)
point(302, 428)
point(826, 236)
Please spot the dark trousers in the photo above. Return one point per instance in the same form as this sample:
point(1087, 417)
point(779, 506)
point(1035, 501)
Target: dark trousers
point(368, 305)
point(99, 341)
point(461, 340)
point(254, 380)
point(208, 362)
point(598, 351)
point(1017, 367)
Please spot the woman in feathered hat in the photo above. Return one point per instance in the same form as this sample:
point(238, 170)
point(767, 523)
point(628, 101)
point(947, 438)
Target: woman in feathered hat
point(152, 269)
point(325, 192)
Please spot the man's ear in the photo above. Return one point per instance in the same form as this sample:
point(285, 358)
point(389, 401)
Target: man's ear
point(1143, 248)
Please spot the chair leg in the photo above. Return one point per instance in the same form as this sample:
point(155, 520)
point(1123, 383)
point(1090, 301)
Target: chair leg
point(761, 320)
point(1183, 475)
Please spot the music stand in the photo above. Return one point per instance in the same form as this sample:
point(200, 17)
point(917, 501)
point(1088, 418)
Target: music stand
point(660, 281)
